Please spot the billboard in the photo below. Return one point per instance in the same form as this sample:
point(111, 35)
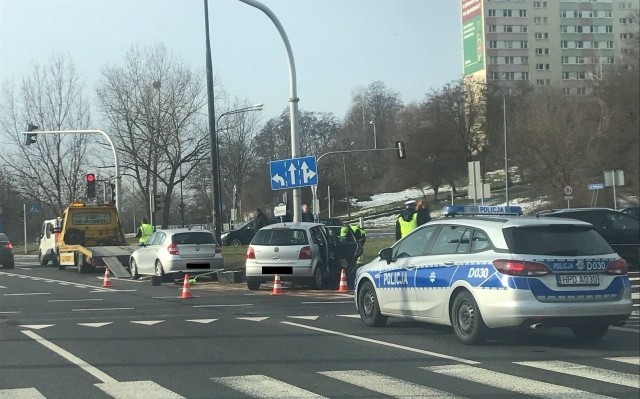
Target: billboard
point(473, 36)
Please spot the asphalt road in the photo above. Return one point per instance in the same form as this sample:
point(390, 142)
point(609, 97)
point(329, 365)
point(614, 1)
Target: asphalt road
point(64, 336)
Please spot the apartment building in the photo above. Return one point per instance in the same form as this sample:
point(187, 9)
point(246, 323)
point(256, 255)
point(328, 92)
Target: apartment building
point(562, 43)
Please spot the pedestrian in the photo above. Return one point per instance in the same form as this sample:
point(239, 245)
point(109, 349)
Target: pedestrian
point(261, 219)
point(306, 216)
point(423, 211)
point(361, 236)
point(144, 231)
point(407, 220)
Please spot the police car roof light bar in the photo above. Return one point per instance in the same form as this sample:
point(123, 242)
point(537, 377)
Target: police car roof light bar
point(453, 210)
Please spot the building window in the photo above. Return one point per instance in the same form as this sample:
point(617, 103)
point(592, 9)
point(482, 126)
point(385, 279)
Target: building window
point(506, 13)
point(565, 60)
point(581, 90)
point(491, 13)
point(524, 76)
point(493, 44)
point(582, 75)
point(508, 60)
point(566, 75)
point(609, 29)
point(610, 44)
point(524, 44)
point(495, 76)
point(524, 60)
point(543, 67)
point(566, 91)
point(493, 60)
point(523, 29)
point(579, 44)
point(508, 29)
point(626, 36)
point(523, 13)
point(564, 44)
point(611, 60)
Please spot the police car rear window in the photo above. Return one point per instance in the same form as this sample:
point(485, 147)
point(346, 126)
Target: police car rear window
point(556, 240)
point(200, 237)
point(280, 237)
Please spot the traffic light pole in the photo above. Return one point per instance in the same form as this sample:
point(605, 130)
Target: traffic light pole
point(24, 225)
point(113, 150)
point(314, 191)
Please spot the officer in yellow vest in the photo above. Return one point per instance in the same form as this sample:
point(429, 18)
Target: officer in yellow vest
point(407, 221)
point(144, 231)
point(361, 236)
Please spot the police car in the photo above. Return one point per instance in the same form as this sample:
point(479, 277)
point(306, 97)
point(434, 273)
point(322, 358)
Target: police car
point(498, 269)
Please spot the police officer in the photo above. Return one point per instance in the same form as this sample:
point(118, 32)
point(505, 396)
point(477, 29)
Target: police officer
point(407, 221)
point(361, 236)
point(423, 211)
point(144, 231)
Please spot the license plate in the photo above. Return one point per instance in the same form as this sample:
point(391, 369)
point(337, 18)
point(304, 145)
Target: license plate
point(565, 280)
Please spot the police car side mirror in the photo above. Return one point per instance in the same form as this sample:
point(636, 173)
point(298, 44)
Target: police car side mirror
point(386, 254)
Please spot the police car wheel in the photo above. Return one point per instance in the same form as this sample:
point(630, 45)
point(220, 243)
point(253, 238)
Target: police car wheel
point(369, 308)
point(590, 332)
point(466, 319)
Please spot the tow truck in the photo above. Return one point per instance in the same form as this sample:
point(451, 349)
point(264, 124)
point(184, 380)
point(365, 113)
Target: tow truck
point(90, 237)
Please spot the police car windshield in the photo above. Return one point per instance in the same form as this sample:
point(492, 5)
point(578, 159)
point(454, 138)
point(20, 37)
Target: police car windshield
point(556, 240)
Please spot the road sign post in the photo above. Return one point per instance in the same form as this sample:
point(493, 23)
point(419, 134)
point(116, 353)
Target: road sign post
point(293, 173)
point(568, 194)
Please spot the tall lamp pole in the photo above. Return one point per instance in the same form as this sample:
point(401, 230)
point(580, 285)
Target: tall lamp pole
point(255, 107)
point(506, 168)
point(375, 137)
point(293, 97)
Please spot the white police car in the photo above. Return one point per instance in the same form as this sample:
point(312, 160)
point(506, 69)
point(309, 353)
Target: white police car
point(498, 270)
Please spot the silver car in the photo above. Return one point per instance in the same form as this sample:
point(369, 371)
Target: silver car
point(174, 251)
point(479, 273)
point(295, 251)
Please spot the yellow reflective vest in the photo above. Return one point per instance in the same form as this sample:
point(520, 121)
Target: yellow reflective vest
point(407, 227)
point(147, 230)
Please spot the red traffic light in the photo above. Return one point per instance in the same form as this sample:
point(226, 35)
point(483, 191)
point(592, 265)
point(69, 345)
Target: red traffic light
point(91, 177)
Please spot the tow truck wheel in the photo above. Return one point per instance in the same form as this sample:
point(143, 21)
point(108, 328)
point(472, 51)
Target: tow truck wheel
point(57, 261)
point(81, 264)
point(43, 260)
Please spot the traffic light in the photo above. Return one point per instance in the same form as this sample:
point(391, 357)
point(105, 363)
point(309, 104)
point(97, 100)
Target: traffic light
point(401, 151)
point(157, 202)
point(30, 138)
point(91, 185)
point(113, 193)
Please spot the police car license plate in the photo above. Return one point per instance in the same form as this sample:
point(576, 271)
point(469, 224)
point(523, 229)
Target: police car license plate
point(565, 280)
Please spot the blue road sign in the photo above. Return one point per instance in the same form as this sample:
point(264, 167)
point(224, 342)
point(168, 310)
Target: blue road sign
point(292, 173)
point(33, 207)
point(596, 186)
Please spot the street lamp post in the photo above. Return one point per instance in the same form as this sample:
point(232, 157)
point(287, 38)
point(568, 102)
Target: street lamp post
point(375, 137)
point(293, 97)
point(218, 191)
point(506, 168)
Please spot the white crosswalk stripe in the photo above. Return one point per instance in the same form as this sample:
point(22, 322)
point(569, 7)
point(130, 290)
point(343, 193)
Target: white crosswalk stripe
point(627, 359)
point(387, 385)
point(512, 383)
point(594, 373)
point(263, 387)
point(21, 393)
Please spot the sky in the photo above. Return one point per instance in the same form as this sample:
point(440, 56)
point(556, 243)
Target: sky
point(339, 46)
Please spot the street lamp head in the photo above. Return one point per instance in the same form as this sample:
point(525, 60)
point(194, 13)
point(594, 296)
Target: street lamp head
point(372, 122)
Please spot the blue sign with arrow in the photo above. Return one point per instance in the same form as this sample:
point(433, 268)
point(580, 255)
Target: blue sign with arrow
point(295, 172)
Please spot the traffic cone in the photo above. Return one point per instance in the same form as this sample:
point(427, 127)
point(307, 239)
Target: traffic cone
point(107, 278)
point(277, 288)
point(186, 288)
point(343, 282)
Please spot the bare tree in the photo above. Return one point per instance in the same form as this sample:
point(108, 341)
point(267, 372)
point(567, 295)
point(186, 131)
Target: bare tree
point(152, 103)
point(51, 97)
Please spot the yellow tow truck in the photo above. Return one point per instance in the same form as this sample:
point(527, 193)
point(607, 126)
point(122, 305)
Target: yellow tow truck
point(91, 237)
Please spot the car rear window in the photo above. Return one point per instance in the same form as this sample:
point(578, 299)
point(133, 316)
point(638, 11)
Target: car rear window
point(558, 240)
point(281, 237)
point(3, 237)
point(200, 237)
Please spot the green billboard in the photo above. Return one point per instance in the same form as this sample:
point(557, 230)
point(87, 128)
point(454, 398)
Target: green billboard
point(472, 36)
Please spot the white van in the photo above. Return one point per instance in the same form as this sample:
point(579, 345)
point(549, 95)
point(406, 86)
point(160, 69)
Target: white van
point(47, 250)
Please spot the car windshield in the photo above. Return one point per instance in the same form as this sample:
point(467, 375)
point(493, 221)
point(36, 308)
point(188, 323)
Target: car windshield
point(281, 237)
point(558, 240)
point(243, 225)
point(193, 237)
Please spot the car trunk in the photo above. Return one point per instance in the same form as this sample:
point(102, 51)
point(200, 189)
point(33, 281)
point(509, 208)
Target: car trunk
point(195, 244)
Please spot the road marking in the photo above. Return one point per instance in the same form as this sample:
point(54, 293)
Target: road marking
point(147, 322)
point(28, 293)
point(252, 318)
point(103, 290)
point(387, 385)
point(62, 282)
point(383, 343)
point(99, 309)
point(322, 302)
point(15, 312)
point(513, 383)
point(36, 326)
point(95, 325)
point(74, 300)
point(2, 286)
point(628, 359)
point(202, 321)
point(263, 387)
point(593, 373)
point(635, 295)
point(304, 317)
point(137, 389)
point(351, 316)
point(222, 306)
point(628, 329)
point(21, 393)
point(100, 375)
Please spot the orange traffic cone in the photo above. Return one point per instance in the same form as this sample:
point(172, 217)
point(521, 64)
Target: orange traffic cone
point(277, 288)
point(343, 282)
point(107, 278)
point(186, 288)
